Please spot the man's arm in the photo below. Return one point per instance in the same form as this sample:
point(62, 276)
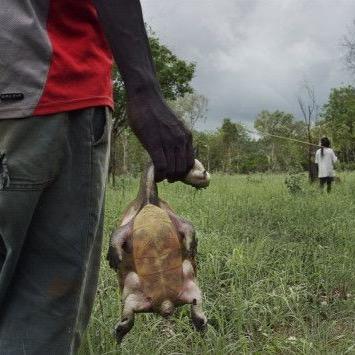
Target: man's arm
point(165, 138)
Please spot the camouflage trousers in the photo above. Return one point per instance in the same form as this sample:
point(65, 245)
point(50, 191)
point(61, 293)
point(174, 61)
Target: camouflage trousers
point(52, 181)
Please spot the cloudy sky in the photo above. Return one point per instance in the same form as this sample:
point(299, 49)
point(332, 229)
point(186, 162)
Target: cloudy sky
point(255, 54)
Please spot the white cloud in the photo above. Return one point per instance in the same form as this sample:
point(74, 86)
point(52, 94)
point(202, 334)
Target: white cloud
point(255, 54)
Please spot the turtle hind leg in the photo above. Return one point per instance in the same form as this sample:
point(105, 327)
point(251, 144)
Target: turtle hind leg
point(198, 317)
point(192, 295)
point(134, 301)
point(123, 327)
point(127, 321)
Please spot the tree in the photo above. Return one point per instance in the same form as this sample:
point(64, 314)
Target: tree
point(191, 108)
point(234, 137)
point(338, 120)
point(282, 154)
point(349, 45)
point(209, 149)
point(310, 110)
point(174, 75)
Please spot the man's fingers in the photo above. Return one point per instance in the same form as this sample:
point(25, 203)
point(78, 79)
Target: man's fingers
point(180, 160)
point(170, 162)
point(180, 163)
point(173, 158)
point(189, 156)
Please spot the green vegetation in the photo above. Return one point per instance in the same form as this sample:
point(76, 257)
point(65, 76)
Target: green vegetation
point(276, 268)
point(232, 149)
point(275, 256)
point(339, 120)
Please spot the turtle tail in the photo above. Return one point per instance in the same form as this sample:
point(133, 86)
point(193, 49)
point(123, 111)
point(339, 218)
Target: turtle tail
point(148, 190)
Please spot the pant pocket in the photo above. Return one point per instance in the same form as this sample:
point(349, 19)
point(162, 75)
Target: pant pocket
point(4, 172)
point(100, 152)
point(31, 150)
point(100, 125)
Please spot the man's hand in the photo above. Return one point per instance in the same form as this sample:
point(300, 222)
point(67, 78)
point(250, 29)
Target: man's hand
point(163, 135)
point(165, 138)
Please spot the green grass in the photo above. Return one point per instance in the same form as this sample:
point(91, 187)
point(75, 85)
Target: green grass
point(277, 271)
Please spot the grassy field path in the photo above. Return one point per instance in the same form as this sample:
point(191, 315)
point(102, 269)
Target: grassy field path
point(277, 271)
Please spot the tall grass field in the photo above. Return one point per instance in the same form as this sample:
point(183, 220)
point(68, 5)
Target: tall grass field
point(276, 266)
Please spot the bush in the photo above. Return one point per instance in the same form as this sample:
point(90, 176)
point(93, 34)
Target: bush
point(293, 183)
point(347, 166)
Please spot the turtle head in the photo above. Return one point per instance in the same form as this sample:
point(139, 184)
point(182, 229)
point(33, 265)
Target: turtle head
point(198, 176)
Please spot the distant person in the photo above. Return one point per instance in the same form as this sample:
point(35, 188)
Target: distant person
point(325, 158)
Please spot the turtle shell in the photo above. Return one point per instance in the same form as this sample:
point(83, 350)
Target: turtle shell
point(157, 254)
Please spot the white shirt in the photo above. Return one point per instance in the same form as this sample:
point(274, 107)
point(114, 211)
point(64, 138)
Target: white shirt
point(325, 162)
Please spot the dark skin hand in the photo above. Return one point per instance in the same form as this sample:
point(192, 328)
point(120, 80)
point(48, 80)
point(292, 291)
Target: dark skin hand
point(164, 136)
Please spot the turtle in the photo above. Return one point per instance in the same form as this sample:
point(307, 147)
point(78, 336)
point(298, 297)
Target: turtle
point(153, 252)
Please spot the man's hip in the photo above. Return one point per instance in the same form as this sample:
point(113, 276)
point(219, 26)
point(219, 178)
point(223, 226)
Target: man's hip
point(53, 171)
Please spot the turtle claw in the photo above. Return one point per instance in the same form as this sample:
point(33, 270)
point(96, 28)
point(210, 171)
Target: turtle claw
point(199, 319)
point(192, 246)
point(199, 322)
point(122, 328)
point(113, 258)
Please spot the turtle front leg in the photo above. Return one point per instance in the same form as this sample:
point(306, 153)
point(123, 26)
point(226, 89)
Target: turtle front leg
point(118, 238)
point(186, 231)
point(134, 301)
point(192, 295)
